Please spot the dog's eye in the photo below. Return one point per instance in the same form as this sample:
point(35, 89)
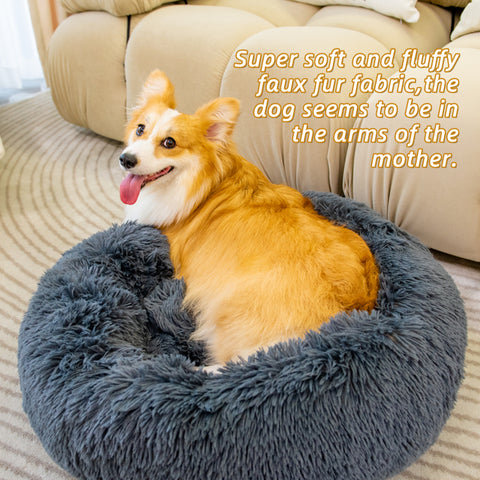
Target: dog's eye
point(168, 142)
point(140, 129)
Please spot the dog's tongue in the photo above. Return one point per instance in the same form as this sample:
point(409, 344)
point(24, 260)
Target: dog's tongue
point(130, 188)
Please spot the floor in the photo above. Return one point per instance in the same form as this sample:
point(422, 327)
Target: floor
point(29, 88)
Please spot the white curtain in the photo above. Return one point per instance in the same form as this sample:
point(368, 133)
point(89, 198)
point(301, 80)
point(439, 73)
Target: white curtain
point(19, 59)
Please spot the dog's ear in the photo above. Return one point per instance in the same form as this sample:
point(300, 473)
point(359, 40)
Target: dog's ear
point(219, 117)
point(159, 86)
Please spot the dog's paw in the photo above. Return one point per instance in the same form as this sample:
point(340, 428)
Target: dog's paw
point(214, 369)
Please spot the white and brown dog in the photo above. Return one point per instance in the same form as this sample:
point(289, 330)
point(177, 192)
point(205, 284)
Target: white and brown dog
point(260, 265)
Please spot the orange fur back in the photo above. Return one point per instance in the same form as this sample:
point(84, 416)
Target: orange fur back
point(261, 266)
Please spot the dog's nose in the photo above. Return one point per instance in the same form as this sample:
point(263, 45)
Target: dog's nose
point(128, 160)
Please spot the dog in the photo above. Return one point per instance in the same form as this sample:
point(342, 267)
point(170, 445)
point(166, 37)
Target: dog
point(259, 264)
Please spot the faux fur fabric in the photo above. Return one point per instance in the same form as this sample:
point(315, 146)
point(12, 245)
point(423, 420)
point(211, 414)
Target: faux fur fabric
point(108, 379)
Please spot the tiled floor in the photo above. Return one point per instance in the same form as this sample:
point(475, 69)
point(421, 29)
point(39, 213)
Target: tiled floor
point(29, 88)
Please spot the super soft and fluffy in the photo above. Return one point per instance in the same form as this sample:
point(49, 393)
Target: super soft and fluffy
point(106, 370)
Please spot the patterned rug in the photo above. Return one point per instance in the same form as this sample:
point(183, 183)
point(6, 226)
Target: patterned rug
point(59, 185)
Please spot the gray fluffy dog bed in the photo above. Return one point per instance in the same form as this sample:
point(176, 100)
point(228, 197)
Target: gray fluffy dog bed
point(106, 370)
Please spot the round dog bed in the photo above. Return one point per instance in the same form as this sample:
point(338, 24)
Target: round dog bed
point(109, 384)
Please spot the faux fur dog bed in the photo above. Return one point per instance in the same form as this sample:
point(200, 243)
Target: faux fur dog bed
point(106, 369)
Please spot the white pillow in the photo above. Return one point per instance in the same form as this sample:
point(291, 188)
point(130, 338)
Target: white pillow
point(469, 20)
point(403, 9)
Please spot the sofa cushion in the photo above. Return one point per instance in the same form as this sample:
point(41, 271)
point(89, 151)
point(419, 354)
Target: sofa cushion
point(403, 9)
point(280, 13)
point(163, 38)
point(88, 81)
point(119, 8)
point(469, 20)
point(267, 141)
point(437, 203)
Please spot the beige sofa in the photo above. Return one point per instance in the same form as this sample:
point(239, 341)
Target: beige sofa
point(100, 55)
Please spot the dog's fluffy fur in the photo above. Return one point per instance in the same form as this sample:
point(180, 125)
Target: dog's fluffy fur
point(260, 265)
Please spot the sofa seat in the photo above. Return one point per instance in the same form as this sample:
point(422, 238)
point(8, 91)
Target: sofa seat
point(98, 61)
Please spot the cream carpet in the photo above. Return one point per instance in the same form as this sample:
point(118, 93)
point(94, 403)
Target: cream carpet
point(59, 185)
